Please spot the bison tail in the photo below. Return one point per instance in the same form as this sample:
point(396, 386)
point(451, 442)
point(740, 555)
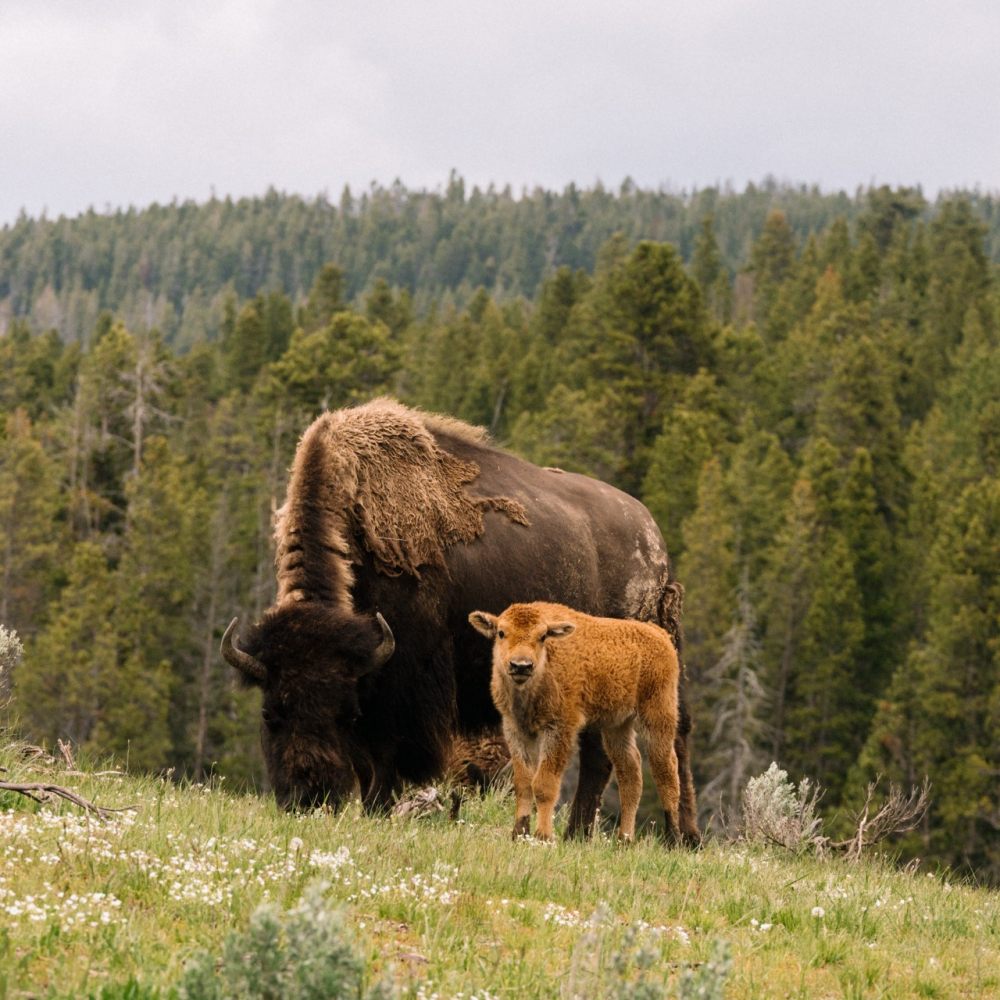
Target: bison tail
point(671, 610)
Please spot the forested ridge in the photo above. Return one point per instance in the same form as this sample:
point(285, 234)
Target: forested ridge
point(172, 266)
point(809, 406)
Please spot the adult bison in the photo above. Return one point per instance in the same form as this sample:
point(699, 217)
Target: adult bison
point(397, 525)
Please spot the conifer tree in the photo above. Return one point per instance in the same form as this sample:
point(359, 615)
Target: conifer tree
point(696, 428)
point(326, 298)
point(154, 585)
point(576, 431)
point(645, 325)
point(31, 528)
point(941, 713)
point(708, 269)
point(856, 408)
point(346, 362)
point(708, 568)
point(772, 263)
point(101, 442)
point(72, 664)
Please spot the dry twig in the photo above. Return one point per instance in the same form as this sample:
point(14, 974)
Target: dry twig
point(41, 792)
point(66, 749)
point(897, 814)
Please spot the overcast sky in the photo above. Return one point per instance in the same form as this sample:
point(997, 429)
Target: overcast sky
point(118, 102)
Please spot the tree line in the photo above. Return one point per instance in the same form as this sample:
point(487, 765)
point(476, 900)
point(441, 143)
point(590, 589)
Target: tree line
point(173, 266)
point(817, 434)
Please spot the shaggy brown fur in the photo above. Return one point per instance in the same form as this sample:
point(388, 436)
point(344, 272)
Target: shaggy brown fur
point(477, 763)
point(556, 670)
point(404, 521)
point(402, 494)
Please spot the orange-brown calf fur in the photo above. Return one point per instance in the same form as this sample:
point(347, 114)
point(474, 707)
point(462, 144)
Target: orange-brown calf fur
point(556, 670)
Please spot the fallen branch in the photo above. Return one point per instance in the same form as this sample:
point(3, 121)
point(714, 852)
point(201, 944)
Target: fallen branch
point(897, 814)
point(41, 792)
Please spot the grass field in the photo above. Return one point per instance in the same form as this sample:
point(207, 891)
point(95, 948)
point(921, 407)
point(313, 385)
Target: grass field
point(117, 908)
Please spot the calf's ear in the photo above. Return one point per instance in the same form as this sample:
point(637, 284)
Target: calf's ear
point(484, 622)
point(559, 630)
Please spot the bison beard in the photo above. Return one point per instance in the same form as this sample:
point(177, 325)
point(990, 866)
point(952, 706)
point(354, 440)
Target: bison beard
point(420, 519)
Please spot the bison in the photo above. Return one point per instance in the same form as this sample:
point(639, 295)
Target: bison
point(397, 524)
point(556, 670)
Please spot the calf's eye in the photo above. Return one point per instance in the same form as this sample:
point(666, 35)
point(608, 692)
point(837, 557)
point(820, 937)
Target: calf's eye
point(500, 634)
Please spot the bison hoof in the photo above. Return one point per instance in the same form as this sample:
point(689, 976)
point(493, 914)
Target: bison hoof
point(522, 828)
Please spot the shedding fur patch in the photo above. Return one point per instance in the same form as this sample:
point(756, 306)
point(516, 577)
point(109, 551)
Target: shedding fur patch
point(376, 473)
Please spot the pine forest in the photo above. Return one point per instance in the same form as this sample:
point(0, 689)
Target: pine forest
point(804, 389)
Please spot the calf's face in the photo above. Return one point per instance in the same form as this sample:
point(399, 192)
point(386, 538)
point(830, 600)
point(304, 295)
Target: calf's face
point(519, 636)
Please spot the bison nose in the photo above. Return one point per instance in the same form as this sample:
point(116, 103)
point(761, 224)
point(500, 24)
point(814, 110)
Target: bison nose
point(520, 670)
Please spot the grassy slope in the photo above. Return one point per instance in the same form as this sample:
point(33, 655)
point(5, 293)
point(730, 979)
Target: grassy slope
point(458, 905)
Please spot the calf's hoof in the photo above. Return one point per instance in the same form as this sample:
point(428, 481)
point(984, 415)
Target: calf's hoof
point(522, 828)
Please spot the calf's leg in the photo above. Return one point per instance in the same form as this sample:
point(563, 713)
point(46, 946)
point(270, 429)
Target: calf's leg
point(659, 715)
point(522, 795)
point(556, 750)
point(620, 746)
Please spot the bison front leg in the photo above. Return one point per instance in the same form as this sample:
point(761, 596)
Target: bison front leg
point(557, 749)
point(378, 784)
point(523, 796)
point(595, 771)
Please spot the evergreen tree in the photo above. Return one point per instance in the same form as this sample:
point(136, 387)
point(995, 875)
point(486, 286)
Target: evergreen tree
point(857, 408)
point(646, 324)
point(31, 528)
point(696, 428)
point(71, 667)
point(326, 299)
point(709, 271)
point(577, 431)
point(941, 713)
point(154, 586)
point(349, 361)
point(772, 263)
point(708, 568)
point(812, 632)
point(99, 452)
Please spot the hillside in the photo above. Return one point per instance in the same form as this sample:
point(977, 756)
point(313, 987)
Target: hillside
point(816, 439)
point(117, 908)
point(172, 266)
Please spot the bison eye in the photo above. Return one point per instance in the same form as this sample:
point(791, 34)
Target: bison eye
point(500, 634)
point(269, 718)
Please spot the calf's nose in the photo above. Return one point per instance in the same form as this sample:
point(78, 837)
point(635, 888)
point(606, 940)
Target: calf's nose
point(521, 668)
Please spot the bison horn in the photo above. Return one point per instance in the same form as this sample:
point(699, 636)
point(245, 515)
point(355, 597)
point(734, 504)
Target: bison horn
point(386, 647)
point(235, 656)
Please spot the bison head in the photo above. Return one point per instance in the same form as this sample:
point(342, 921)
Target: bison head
point(307, 659)
point(519, 636)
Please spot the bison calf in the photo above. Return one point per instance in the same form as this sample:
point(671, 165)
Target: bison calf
point(556, 670)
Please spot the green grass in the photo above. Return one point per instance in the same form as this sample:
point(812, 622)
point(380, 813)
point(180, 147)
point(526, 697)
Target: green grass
point(457, 908)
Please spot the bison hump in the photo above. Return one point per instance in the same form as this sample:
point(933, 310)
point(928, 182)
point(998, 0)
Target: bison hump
point(402, 496)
